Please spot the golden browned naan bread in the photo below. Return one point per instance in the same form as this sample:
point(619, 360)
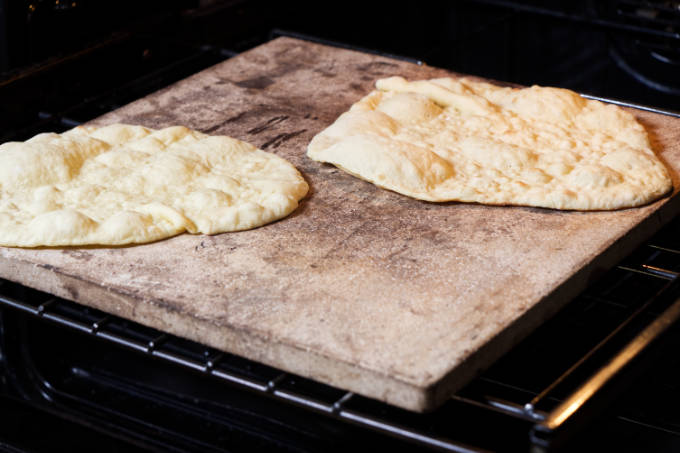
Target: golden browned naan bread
point(457, 139)
point(123, 184)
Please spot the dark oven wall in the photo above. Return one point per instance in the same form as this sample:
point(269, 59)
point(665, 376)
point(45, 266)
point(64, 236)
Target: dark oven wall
point(623, 49)
point(620, 49)
point(36, 30)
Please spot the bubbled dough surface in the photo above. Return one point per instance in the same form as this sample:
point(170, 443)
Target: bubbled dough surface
point(461, 140)
point(123, 184)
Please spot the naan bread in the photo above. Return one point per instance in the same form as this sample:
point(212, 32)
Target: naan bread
point(457, 139)
point(124, 184)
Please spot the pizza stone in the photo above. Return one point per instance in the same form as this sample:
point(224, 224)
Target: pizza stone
point(462, 140)
point(123, 184)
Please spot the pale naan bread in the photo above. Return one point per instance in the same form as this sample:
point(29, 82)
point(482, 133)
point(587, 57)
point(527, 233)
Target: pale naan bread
point(447, 139)
point(124, 184)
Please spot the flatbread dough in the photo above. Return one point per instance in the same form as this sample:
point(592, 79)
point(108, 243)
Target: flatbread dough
point(457, 139)
point(123, 184)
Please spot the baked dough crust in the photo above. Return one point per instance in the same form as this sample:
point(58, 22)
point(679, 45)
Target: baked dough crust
point(123, 184)
point(462, 140)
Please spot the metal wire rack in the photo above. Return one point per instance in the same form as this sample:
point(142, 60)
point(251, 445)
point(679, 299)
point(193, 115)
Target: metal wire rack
point(548, 412)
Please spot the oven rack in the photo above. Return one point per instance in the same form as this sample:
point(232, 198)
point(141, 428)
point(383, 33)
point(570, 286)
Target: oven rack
point(549, 415)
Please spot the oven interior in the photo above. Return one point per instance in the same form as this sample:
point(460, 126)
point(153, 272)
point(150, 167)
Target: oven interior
point(80, 379)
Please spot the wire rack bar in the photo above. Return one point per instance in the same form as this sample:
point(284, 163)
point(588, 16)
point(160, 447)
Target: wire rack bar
point(607, 340)
point(211, 366)
point(555, 427)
